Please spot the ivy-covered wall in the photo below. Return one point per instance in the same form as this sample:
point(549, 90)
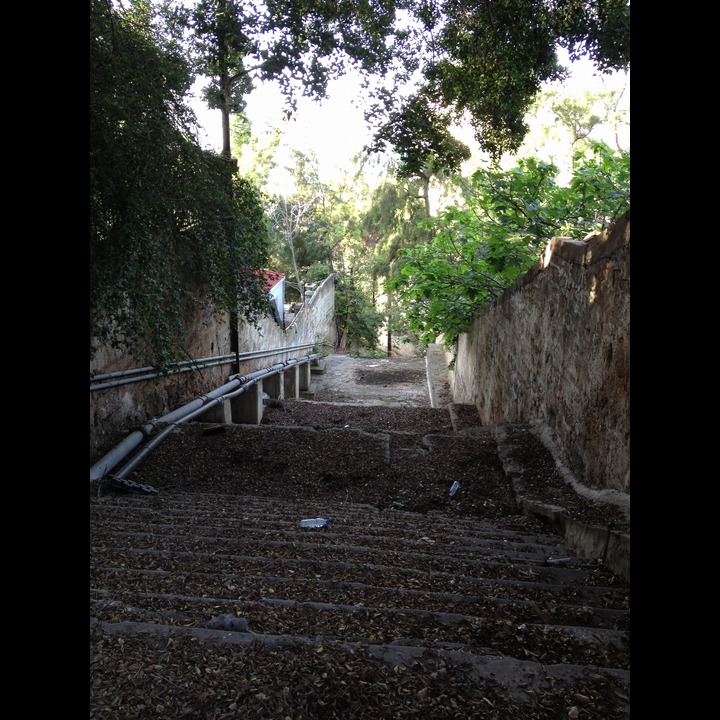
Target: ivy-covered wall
point(554, 350)
point(117, 411)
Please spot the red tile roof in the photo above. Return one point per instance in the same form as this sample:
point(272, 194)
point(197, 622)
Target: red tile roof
point(271, 278)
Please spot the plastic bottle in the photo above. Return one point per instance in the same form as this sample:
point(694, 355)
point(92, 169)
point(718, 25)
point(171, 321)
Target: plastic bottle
point(314, 522)
point(454, 488)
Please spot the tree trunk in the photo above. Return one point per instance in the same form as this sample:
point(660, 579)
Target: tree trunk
point(226, 133)
point(295, 269)
point(426, 188)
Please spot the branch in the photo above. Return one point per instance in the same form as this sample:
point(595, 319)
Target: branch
point(246, 71)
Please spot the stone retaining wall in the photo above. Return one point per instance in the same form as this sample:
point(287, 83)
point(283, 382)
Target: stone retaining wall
point(119, 410)
point(555, 350)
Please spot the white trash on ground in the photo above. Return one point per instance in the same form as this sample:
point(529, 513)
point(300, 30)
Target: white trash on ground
point(314, 522)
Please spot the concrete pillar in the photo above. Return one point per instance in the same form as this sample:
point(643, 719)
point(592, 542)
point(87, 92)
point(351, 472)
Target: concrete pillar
point(247, 409)
point(218, 413)
point(292, 383)
point(304, 369)
point(274, 385)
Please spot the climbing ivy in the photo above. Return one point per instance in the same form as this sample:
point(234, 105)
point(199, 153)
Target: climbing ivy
point(169, 223)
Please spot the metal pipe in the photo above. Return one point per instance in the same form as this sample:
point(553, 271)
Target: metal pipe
point(128, 377)
point(111, 459)
point(134, 375)
point(238, 384)
point(152, 444)
point(108, 461)
point(184, 364)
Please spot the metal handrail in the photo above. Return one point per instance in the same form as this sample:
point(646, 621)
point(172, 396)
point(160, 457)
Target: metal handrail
point(126, 377)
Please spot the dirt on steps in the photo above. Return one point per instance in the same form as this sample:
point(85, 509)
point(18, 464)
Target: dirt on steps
point(394, 381)
point(208, 600)
point(211, 605)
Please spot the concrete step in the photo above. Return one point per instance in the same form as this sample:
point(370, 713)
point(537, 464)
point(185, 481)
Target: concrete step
point(595, 524)
point(404, 582)
point(308, 394)
point(464, 417)
point(234, 570)
point(363, 667)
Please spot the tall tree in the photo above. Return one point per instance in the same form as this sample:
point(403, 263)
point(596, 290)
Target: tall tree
point(418, 132)
point(162, 222)
point(299, 44)
point(287, 217)
point(297, 219)
point(391, 224)
point(431, 62)
point(566, 122)
point(486, 61)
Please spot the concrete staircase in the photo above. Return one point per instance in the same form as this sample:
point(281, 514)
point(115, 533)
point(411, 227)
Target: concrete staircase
point(489, 615)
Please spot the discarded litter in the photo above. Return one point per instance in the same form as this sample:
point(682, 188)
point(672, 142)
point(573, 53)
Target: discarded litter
point(454, 488)
point(314, 522)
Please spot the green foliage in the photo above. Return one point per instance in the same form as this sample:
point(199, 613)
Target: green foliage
point(257, 156)
point(418, 132)
point(167, 220)
point(316, 225)
point(322, 345)
point(577, 116)
point(600, 30)
point(567, 121)
point(392, 222)
point(372, 353)
point(317, 272)
point(296, 226)
point(221, 44)
point(298, 44)
point(358, 323)
point(479, 250)
point(487, 61)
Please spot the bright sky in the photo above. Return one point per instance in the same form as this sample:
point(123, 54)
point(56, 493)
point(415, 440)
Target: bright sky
point(335, 129)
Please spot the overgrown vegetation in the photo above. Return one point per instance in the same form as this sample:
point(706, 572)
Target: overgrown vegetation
point(170, 224)
point(357, 321)
point(480, 248)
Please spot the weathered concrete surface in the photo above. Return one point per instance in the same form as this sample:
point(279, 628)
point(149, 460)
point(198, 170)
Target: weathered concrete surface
point(555, 348)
